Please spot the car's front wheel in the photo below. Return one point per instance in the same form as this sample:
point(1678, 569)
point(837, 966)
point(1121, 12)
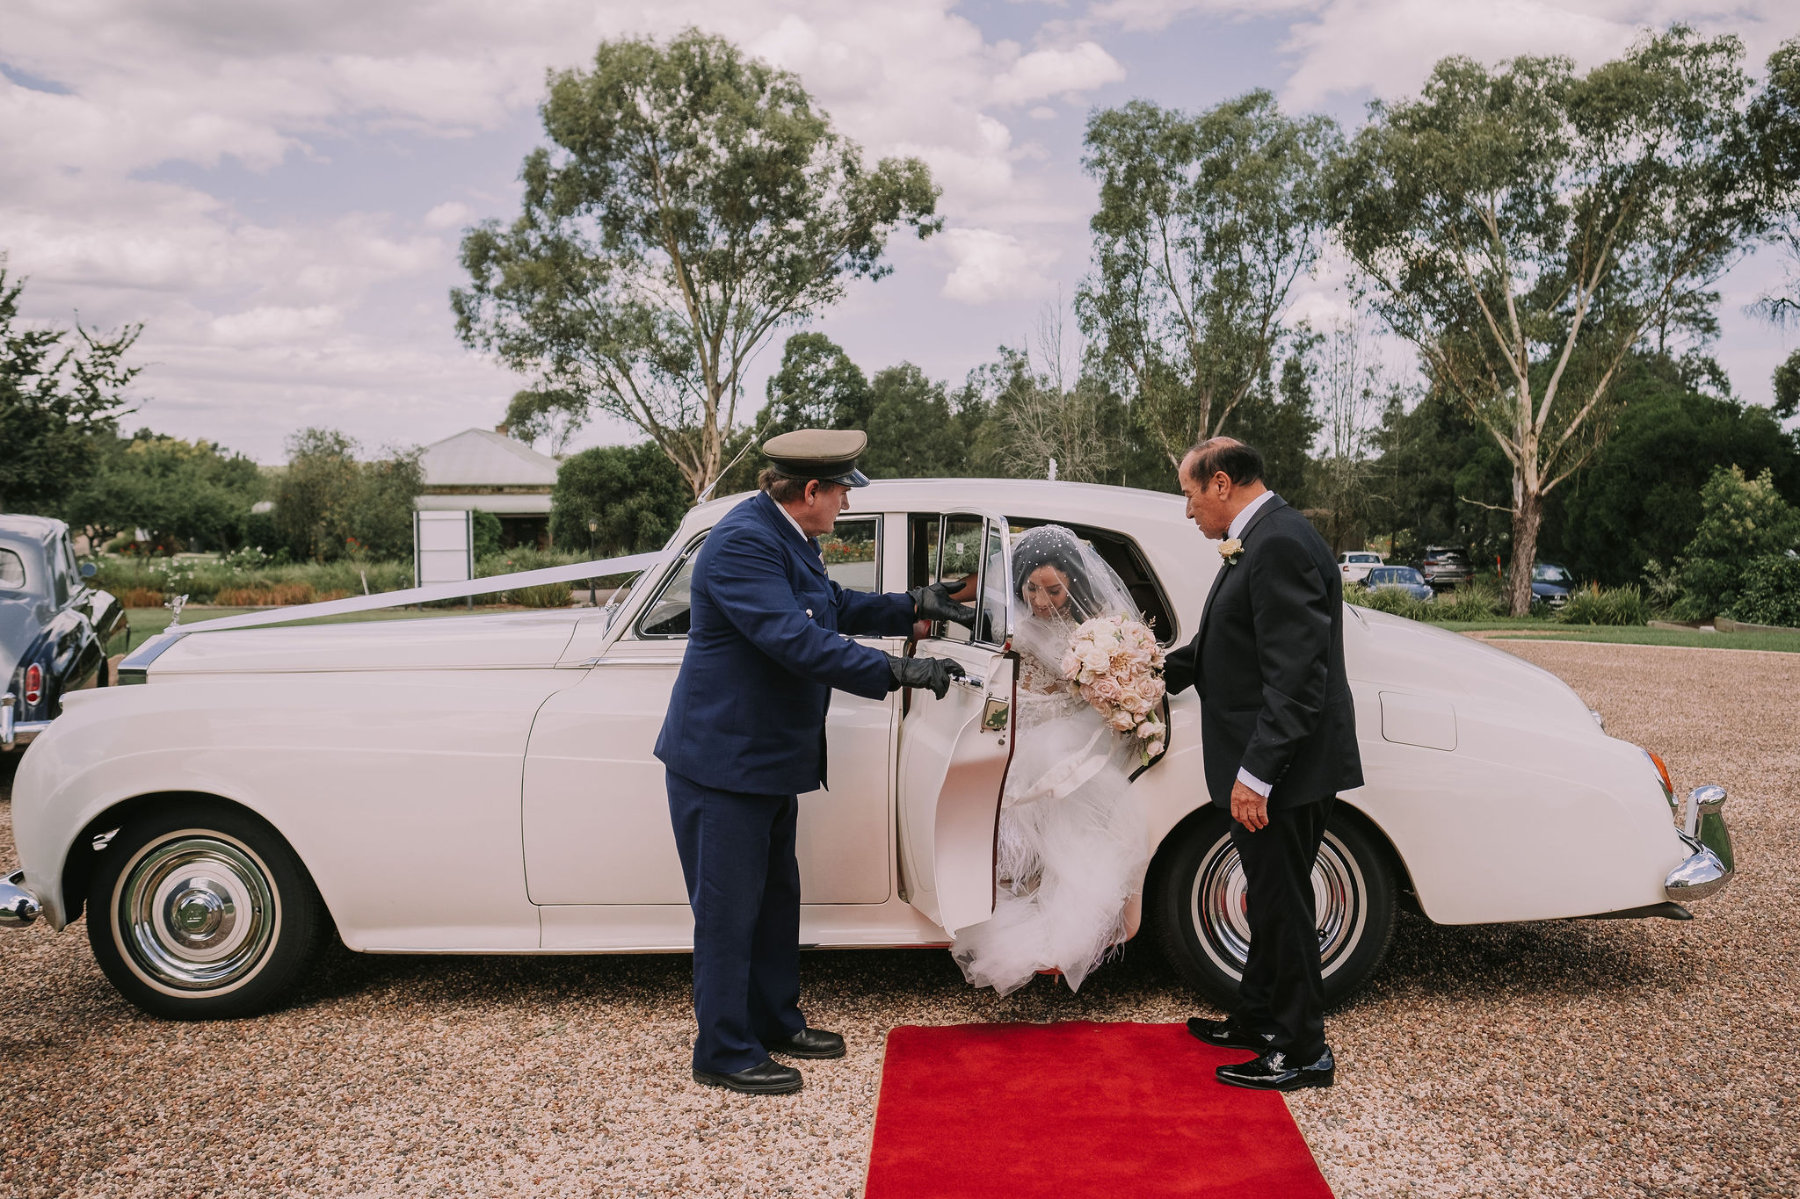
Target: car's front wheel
point(201, 911)
point(1199, 901)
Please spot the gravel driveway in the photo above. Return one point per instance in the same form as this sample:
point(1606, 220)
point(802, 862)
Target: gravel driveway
point(1583, 1058)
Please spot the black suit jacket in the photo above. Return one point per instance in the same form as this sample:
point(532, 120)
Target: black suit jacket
point(1269, 665)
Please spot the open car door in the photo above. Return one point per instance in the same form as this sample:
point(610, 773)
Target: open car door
point(954, 752)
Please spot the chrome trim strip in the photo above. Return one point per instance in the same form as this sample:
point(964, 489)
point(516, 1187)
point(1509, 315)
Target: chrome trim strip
point(135, 666)
point(19, 906)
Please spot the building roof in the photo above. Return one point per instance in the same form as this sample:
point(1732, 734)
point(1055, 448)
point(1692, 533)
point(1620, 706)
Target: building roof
point(480, 458)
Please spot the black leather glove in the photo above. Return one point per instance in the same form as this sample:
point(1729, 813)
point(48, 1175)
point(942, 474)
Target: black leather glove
point(934, 603)
point(933, 674)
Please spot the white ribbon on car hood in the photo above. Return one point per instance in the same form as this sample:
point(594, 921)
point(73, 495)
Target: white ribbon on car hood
point(630, 564)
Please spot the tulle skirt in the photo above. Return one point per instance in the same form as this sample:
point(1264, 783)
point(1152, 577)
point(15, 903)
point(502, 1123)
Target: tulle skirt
point(1072, 853)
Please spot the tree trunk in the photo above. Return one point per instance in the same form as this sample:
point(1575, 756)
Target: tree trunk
point(1528, 514)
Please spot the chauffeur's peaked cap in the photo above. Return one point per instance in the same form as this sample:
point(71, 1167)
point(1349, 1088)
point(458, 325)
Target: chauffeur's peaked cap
point(827, 454)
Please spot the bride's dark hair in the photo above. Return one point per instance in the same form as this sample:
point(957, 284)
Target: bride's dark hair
point(1043, 546)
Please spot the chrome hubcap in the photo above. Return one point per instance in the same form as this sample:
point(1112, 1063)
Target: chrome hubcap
point(1219, 905)
point(196, 913)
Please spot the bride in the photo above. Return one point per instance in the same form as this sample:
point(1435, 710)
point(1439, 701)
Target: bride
point(1073, 836)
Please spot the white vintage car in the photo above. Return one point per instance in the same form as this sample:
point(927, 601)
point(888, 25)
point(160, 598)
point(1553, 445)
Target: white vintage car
point(485, 784)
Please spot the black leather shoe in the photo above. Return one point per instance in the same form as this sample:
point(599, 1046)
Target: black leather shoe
point(1273, 1071)
point(764, 1078)
point(1227, 1035)
point(810, 1042)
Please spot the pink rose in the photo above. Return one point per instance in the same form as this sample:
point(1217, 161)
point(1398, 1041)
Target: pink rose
point(1123, 721)
point(1150, 687)
point(1105, 690)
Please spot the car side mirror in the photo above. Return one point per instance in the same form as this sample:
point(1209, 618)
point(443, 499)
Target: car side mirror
point(89, 570)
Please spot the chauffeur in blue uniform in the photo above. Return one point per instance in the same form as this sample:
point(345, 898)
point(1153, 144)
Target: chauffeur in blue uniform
point(745, 734)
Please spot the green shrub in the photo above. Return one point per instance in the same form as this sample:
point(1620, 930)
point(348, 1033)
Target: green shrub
point(1770, 592)
point(1391, 600)
point(1609, 606)
point(1744, 519)
point(1472, 601)
point(485, 527)
point(548, 595)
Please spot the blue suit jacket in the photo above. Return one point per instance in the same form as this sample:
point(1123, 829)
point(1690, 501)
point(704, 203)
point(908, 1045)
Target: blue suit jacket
point(764, 652)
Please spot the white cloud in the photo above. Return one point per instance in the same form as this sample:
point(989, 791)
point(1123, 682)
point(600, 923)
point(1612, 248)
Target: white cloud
point(275, 326)
point(1055, 72)
point(1388, 46)
point(451, 214)
point(1149, 15)
point(991, 265)
point(128, 194)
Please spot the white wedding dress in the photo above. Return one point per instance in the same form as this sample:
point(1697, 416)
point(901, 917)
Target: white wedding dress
point(1073, 832)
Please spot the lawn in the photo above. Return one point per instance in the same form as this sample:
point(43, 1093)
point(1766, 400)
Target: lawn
point(1615, 635)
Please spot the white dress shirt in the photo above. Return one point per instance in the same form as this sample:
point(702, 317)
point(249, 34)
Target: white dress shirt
point(782, 508)
point(1238, 523)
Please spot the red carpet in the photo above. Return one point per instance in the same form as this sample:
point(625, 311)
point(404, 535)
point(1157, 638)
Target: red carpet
point(1124, 1111)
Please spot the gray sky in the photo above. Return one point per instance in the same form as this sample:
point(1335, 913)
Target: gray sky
point(277, 189)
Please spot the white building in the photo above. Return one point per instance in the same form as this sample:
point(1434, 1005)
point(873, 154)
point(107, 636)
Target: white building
point(478, 470)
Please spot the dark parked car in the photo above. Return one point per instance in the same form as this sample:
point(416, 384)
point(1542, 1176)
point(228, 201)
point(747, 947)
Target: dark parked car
point(1444, 567)
point(1551, 584)
point(1397, 578)
point(56, 631)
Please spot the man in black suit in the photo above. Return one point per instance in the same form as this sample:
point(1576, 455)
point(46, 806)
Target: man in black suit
point(1279, 737)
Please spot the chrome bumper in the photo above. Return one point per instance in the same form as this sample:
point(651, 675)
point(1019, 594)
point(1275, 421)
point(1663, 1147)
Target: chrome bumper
point(1710, 866)
point(18, 906)
point(16, 732)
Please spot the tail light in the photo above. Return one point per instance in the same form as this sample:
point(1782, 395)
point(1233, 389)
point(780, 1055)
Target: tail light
point(34, 683)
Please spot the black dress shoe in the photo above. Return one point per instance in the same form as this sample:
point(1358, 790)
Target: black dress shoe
point(764, 1078)
point(1275, 1071)
point(809, 1042)
point(1227, 1035)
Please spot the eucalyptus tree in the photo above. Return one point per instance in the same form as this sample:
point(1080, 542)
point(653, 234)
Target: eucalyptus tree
point(1523, 228)
point(689, 202)
point(60, 401)
point(1205, 223)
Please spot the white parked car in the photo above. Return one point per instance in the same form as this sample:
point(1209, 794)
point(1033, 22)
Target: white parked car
point(485, 784)
point(1355, 565)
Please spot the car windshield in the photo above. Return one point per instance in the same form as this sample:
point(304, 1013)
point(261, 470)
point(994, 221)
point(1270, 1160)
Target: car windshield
point(1395, 574)
point(1362, 557)
point(1545, 573)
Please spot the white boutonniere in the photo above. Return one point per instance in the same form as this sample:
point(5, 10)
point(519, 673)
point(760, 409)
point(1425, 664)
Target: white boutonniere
point(1231, 549)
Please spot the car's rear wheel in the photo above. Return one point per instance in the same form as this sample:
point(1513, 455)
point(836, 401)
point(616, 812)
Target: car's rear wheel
point(201, 911)
point(1198, 899)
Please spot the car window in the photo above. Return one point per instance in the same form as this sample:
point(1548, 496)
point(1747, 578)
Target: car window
point(669, 612)
point(957, 553)
point(1549, 574)
point(852, 558)
point(59, 575)
point(12, 571)
point(852, 553)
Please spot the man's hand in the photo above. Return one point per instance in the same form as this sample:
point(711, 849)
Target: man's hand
point(1248, 808)
point(933, 674)
point(934, 603)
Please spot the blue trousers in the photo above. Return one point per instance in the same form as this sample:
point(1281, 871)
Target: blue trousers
point(743, 882)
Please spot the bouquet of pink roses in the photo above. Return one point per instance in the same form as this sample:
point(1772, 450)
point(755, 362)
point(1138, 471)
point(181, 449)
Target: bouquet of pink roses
point(1116, 664)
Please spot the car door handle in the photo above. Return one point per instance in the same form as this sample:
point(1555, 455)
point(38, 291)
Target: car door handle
point(975, 685)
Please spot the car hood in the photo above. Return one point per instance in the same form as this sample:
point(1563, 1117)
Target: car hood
point(1549, 589)
point(508, 639)
point(1392, 652)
